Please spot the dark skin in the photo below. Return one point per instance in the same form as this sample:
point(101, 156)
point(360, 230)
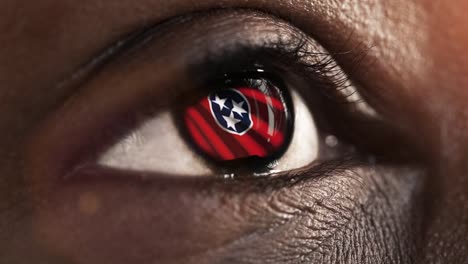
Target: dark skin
point(410, 211)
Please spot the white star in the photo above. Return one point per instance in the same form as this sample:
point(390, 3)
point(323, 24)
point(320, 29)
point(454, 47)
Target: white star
point(231, 121)
point(237, 107)
point(220, 102)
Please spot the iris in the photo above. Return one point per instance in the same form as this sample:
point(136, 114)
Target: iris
point(246, 119)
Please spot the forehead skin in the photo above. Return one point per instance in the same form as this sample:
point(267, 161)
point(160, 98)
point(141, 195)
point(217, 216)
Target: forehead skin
point(418, 76)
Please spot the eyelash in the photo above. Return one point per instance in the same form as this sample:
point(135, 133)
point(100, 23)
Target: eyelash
point(324, 80)
point(323, 74)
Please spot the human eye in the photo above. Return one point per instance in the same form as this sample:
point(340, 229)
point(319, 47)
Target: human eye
point(246, 124)
point(266, 102)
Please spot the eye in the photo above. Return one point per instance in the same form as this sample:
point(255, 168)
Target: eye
point(245, 123)
point(226, 102)
point(248, 111)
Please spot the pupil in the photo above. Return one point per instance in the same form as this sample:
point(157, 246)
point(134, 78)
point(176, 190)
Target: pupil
point(240, 122)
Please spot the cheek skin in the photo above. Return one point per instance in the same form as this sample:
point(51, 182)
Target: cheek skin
point(316, 220)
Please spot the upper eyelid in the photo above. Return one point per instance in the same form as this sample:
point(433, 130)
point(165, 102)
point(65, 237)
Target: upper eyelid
point(125, 48)
point(144, 34)
point(141, 36)
point(138, 37)
point(302, 45)
point(141, 46)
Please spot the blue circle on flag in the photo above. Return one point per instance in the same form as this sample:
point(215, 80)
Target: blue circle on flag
point(231, 110)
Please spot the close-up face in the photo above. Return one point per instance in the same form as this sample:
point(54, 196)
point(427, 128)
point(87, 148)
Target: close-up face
point(233, 131)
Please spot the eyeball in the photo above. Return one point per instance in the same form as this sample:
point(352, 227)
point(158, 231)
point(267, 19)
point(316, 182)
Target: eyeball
point(250, 124)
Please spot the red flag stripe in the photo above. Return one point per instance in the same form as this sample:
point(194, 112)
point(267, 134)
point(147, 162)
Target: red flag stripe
point(277, 139)
point(237, 149)
point(246, 141)
point(252, 146)
point(261, 140)
point(221, 148)
point(262, 98)
point(201, 141)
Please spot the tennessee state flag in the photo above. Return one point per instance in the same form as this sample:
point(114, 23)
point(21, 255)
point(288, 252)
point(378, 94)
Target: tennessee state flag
point(240, 122)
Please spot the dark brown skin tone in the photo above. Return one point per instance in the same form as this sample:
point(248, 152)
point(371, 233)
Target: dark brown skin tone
point(413, 74)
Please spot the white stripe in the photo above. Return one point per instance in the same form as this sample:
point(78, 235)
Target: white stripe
point(271, 115)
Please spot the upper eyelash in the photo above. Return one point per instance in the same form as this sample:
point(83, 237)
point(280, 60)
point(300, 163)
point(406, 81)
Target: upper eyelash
point(321, 68)
point(327, 67)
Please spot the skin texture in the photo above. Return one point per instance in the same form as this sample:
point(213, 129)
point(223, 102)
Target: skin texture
point(414, 74)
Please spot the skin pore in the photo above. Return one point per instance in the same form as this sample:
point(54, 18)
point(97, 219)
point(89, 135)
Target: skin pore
point(413, 73)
